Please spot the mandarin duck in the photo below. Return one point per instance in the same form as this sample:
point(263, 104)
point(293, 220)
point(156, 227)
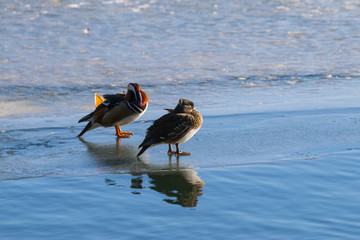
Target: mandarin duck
point(117, 110)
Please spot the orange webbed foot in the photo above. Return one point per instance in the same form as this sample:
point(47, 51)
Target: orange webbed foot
point(183, 153)
point(180, 153)
point(170, 151)
point(177, 152)
point(124, 135)
point(121, 134)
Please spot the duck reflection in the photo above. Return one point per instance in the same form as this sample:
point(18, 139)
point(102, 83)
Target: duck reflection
point(179, 185)
point(116, 158)
point(183, 185)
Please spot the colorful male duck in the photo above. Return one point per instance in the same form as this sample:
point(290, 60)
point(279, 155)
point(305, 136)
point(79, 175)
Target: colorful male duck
point(117, 110)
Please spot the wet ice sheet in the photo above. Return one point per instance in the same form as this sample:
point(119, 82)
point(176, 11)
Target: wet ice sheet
point(230, 140)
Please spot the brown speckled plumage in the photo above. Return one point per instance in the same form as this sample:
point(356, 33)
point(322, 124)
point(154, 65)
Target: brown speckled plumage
point(175, 127)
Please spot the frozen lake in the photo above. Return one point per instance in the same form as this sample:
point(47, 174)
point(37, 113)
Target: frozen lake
point(278, 85)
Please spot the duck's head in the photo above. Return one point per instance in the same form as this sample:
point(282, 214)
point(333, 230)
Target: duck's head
point(184, 106)
point(136, 96)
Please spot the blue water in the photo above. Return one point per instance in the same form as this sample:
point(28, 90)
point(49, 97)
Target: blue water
point(277, 83)
point(298, 200)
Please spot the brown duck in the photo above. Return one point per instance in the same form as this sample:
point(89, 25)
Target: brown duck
point(175, 127)
point(117, 110)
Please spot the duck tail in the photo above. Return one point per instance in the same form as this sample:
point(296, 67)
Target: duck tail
point(86, 118)
point(87, 128)
point(143, 149)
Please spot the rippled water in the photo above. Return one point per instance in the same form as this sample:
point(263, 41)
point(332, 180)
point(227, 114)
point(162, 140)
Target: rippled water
point(301, 199)
point(277, 82)
point(203, 50)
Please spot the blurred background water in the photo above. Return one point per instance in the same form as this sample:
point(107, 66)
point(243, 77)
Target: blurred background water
point(217, 53)
point(277, 82)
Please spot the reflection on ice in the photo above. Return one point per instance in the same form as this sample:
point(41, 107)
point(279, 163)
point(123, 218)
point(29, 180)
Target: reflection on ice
point(115, 158)
point(179, 185)
point(183, 185)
